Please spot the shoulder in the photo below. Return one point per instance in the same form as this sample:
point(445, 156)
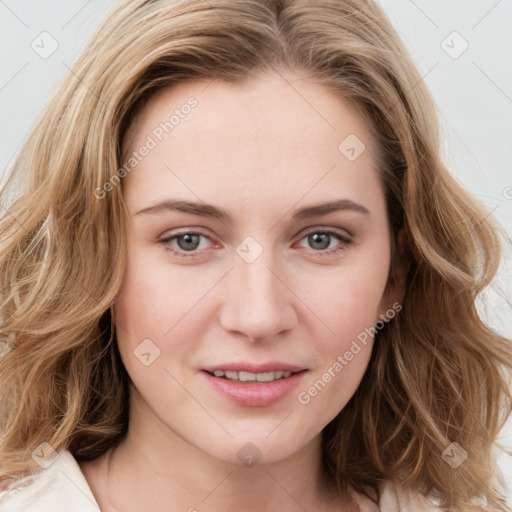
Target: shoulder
point(56, 488)
point(395, 497)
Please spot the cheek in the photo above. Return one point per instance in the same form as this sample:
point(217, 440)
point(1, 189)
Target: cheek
point(350, 314)
point(349, 307)
point(154, 294)
point(155, 304)
point(348, 300)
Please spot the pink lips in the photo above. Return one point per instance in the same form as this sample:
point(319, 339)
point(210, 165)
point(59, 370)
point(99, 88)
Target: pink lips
point(254, 394)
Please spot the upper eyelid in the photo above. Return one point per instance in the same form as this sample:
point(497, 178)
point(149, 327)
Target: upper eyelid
point(339, 231)
point(306, 232)
point(303, 232)
point(195, 231)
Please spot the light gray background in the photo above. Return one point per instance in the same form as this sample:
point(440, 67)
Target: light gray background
point(472, 89)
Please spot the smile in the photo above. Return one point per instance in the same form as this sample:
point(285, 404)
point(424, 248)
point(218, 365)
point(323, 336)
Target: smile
point(252, 377)
point(253, 389)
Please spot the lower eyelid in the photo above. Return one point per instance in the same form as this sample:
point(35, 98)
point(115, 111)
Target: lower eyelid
point(166, 241)
point(343, 239)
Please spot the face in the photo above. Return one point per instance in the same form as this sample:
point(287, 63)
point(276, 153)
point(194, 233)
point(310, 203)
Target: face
point(258, 243)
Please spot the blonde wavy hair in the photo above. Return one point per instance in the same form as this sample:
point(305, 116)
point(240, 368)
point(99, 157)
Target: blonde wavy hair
point(437, 374)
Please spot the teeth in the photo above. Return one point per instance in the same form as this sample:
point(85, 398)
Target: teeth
point(251, 377)
point(265, 377)
point(246, 376)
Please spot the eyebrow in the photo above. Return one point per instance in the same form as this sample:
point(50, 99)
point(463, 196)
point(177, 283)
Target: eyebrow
point(215, 212)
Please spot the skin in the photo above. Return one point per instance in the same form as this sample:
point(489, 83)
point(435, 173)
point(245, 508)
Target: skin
point(260, 150)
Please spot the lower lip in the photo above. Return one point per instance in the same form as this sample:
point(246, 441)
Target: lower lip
point(254, 394)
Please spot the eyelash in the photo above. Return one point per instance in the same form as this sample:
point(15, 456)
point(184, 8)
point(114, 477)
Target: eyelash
point(345, 241)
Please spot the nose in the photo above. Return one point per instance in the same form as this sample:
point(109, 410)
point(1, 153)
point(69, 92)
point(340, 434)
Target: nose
point(258, 303)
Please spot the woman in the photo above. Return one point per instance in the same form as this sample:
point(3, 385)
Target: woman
point(237, 275)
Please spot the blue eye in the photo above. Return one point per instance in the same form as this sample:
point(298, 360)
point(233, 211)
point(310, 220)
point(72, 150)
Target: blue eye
point(321, 239)
point(188, 243)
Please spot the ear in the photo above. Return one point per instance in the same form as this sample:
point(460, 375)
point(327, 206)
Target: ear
point(394, 293)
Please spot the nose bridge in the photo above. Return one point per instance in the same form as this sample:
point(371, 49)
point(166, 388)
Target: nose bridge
point(257, 303)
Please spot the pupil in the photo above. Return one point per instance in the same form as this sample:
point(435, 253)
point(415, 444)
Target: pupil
point(191, 241)
point(316, 238)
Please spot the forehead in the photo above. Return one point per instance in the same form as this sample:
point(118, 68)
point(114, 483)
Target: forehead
point(271, 133)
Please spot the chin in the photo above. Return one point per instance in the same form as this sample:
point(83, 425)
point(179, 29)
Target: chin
point(249, 450)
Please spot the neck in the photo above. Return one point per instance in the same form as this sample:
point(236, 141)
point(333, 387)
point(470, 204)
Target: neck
point(155, 469)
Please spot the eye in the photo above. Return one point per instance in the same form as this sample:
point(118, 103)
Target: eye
point(185, 242)
point(321, 240)
point(191, 243)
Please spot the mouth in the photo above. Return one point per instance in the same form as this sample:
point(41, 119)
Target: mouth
point(252, 377)
point(251, 385)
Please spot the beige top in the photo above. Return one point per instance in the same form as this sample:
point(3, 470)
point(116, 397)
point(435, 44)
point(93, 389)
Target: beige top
point(62, 487)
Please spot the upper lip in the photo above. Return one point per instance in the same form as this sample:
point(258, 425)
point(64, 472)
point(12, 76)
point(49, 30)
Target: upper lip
point(254, 368)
